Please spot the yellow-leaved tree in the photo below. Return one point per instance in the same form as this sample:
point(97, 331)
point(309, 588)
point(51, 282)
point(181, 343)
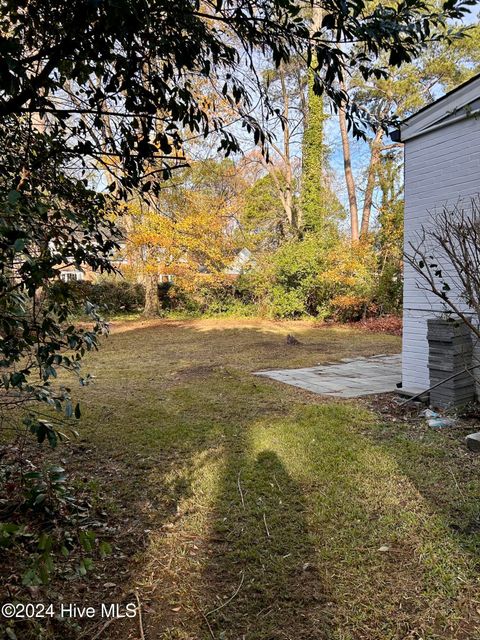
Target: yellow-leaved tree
point(185, 235)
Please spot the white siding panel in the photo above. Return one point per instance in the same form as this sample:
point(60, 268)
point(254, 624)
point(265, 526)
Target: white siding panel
point(415, 351)
point(441, 168)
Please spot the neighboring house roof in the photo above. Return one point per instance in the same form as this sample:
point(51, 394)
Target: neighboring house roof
point(240, 262)
point(458, 104)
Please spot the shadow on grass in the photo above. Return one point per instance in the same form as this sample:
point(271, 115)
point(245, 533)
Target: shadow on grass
point(263, 509)
point(230, 552)
point(250, 501)
point(263, 557)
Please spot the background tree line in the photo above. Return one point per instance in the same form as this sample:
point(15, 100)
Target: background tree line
point(126, 122)
point(321, 215)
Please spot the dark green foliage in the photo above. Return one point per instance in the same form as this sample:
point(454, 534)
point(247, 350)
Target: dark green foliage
point(46, 512)
point(389, 237)
point(263, 222)
point(314, 202)
point(47, 219)
point(110, 296)
point(116, 296)
point(230, 297)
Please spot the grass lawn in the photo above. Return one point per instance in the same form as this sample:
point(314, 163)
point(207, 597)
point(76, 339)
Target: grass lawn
point(247, 509)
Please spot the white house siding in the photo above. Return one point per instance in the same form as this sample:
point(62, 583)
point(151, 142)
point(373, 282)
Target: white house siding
point(441, 168)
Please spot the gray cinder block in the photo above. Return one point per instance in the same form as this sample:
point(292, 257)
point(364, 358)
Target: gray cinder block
point(449, 353)
point(473, 441)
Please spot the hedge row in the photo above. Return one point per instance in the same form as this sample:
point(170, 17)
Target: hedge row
point(110, 296)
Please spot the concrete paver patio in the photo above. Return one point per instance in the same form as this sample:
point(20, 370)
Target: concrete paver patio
point(349, 378)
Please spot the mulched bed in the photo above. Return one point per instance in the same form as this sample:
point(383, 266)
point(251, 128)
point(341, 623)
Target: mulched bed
point(389, 324)
point(385, 324)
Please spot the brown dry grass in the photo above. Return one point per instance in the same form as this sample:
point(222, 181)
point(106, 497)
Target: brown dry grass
point(220, 484)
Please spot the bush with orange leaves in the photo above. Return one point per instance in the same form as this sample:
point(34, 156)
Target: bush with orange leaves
point(352, 278)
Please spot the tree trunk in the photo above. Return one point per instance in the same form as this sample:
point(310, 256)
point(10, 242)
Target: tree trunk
point(312, 200)
point(152, 303)
point(349, 179)
point(283, 176)
point(288, 205)
point(367, 203)
point(288, 173)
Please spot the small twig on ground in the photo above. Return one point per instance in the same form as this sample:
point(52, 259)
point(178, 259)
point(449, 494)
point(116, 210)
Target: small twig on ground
point(208, 624)
point(276, 482)
point(204, 616)
point(266, 526)
point(224, 604)
point(140, 621)
point(102, 629)
point(456, 483)
point(107, 623)
point(240, 490)
point(196, 605)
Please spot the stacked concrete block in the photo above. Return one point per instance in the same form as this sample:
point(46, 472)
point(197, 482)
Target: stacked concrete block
point(449, 353)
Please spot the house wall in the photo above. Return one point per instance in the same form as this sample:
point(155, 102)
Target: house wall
point(441, 168)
